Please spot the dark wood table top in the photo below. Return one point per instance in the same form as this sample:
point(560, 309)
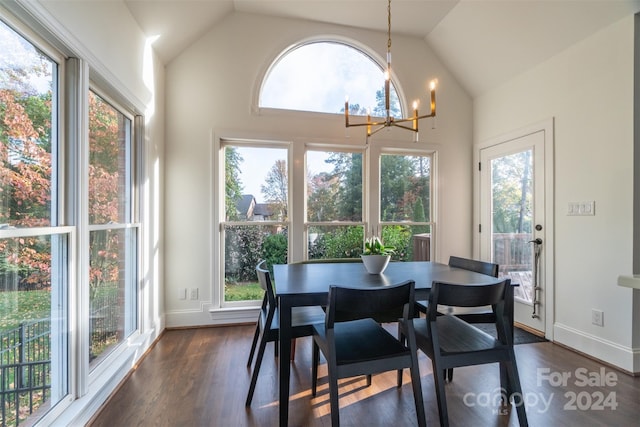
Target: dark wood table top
point(292, 280)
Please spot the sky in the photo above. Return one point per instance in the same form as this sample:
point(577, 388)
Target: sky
point(257, 162)
point(319, 76)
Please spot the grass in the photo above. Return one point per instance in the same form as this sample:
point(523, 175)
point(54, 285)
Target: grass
point(18, 306)
point(243, 291)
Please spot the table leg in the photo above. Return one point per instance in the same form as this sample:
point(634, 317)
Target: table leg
point(285, 357)
point(504, 376)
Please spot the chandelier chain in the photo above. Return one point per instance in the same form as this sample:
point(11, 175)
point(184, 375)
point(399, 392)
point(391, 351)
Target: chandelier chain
point(389, 27)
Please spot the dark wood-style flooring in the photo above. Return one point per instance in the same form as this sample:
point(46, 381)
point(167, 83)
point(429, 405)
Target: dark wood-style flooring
point(198, 377)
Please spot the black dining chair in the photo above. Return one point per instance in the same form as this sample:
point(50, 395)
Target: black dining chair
point(451, 342)
point(475, 314)
point(482, 314)
point(354, 342)
point(267, 326)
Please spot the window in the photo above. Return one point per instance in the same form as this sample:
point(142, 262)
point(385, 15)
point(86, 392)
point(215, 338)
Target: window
point(34, 249)
point(293, 81)
point(349, 192)
point(335, 226)
point(113, 232)
point(405, 204)
point(48, 224)
point(256, 215)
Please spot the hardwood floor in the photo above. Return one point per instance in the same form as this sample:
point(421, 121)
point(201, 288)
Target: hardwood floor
point(198, 377)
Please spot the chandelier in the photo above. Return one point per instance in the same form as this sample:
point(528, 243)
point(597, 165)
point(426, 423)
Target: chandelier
point(375, 126)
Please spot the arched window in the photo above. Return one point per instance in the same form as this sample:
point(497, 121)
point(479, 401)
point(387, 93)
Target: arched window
point(316, 76)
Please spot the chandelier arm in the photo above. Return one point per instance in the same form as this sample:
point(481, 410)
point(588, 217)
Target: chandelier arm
point(411, 119)
point(403, 126)
point(367, 124)
point(376, 130)
point(425, 116)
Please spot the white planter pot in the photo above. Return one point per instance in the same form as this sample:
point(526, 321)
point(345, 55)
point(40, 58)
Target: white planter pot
point(375, 264)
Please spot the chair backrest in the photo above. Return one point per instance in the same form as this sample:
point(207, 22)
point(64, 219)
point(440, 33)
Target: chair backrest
point(385, 304)
point(456, 295)
point(264, 277)
point(483, 267)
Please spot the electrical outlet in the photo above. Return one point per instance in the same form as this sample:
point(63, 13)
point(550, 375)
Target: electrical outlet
point(194, 294)
point(587, 208)
point(182, 293)
point(573, 208)
point(597, 317)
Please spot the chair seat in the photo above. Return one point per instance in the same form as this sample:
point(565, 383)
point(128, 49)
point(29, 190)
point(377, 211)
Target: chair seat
point(362, 341)
point(302, 320)
point(456, 336)
point(302, 317)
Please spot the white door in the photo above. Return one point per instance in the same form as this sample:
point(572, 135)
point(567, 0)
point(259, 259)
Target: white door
point(514, 230)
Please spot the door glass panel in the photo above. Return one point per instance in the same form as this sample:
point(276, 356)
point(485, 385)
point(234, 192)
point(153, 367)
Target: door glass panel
point(512, 219)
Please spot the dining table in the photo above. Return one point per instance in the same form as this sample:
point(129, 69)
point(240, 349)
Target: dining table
point(307, 284)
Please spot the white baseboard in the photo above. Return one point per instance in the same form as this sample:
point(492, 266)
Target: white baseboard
point(209, 316)
point(623, 357)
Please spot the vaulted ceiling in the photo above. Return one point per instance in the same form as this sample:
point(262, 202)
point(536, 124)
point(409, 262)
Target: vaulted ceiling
point(483, 42)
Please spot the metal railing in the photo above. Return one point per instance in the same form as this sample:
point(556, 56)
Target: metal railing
point(25, 370)
point(25, 360)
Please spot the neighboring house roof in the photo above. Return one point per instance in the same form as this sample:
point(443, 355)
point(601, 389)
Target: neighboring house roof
point(245, 204)
point(263, 209)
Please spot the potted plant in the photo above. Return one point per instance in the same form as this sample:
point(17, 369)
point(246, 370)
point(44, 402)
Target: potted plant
point(376, 255)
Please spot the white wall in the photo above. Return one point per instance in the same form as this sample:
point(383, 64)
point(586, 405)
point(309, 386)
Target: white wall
point(588, 90)
point(211, 89)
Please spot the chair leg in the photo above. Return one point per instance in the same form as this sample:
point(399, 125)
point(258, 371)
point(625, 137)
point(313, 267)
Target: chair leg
point(253, 345)
point(333, 397)
point(450, 374)
point(403, 340)
point(417, 390)
point(314, 368)
point(293, 349)
point(438, 379)
point(514, 383)
point(256, 370)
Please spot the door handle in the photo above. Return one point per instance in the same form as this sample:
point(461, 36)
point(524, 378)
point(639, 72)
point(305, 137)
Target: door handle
point(536, 267)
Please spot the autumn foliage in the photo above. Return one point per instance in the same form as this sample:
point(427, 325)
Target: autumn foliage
point(27, 179)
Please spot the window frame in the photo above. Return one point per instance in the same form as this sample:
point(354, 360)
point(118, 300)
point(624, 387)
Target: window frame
point(220, 213)
point(359, 47)
point(76, 72)
point(59, 225)
point(362, 150)
point(132, 222)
